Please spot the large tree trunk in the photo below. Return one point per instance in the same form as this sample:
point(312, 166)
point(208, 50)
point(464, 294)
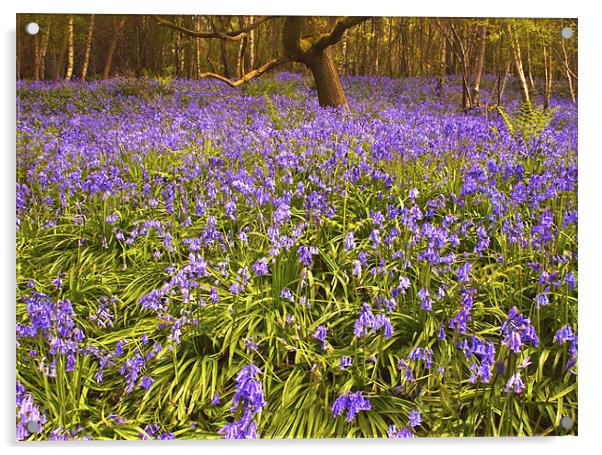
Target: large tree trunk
point(70, 51)
point(328, 83)
point(315, 52)
point(88, 48)
point(119, 25)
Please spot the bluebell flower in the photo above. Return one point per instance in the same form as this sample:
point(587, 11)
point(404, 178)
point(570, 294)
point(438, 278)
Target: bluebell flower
point(515, 384)
point(483, 354)
point(542, 299)
point(345, 362)
point(403, 366)
point(424, 354)
point(440, 292)
point(321, 335)
point(349, 241)
point(366, 320)
point(146, 382)
point(404, 284)
point(425, 299)
point(287, 294)
point(250, 344)
point(375, 237)
point(119, 347)
point(354, 402)
point(305, 255)
point(441, 334)
point(261, 267)
point(563, 334)
point(463, 272)
point(518, 331)
point(570, 280)
point(414, 419)
point(393, 432)
point(249, 394)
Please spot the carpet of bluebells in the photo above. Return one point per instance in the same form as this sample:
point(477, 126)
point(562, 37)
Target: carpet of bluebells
point(197, 261)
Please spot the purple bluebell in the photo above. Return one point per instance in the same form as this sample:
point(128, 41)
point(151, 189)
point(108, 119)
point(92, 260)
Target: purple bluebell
point(287, 294)
point(414, 419)
point(345, 362)
point(518, 331)
point(349, 241)
point(353, 402)
point(426, 303)
point(393, 432)
point(146, 382)
point(514, 384)
point(261, 267)
point(321, 335)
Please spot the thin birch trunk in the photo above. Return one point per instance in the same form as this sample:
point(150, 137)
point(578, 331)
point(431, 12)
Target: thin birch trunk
point(70, 50)
point(88, 49)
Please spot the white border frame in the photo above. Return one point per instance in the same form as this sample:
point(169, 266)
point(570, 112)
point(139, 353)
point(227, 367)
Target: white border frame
point(590, 104)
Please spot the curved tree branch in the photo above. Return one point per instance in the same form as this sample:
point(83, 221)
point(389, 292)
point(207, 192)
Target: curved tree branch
point(293, 42)
point(236, 35)
point(335, 35)
point(250, 75)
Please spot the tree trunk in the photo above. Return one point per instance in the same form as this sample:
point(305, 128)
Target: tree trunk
point(328, 83)
point(251, 45)
point(43, 50)
point(506, 72)
point(377, 30)
point(500, 63)
point(36, 58)
point(59, 61)
point(240, 58)
point(224, 23)
point(518, 64)
point(197, 48)
point(390, 47)
point(356, 57)
point(479, 68)
point(345, 53)
point(119, 25)
point(529, 65)
point(442, 64)
point(88, 48)
point(70, 52)
point(548, 71)
point(567, 71)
